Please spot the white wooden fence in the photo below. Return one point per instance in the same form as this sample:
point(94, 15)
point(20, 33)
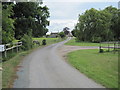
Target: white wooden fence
point(4, 48)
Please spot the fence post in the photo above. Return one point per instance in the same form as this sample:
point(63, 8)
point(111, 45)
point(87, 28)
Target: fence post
point(108, 47)
point(12, 50)
point(114, 46)
point(17, 47)
point(5, 52)
point(100, 47)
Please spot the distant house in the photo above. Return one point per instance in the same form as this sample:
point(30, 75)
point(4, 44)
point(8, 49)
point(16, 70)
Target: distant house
point(53, 35)
point(69, 34)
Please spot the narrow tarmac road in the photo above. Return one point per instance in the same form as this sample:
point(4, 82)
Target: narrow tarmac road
point(44, 68)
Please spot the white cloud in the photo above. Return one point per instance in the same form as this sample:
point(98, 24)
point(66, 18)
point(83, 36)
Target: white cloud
point(62, 21)
point(58, 25)
point(65, 14)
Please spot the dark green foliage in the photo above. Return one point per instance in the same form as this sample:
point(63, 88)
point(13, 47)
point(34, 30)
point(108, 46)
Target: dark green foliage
point(115, 23)
point(43, 42)
point(65, 30)
point(29, 15)
point(23, 17)
point(27, 42)
point(73, 33)
point(96, 39)
point(62, 34)
point(7, 23)
point(98, 25)
point(47, 36)
point(101, 51)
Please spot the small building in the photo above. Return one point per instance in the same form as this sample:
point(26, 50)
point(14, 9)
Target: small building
point(70, 34)
point(54, 35)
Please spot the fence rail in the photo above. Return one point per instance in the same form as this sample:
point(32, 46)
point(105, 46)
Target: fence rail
point(112, 44)
point(6, 47)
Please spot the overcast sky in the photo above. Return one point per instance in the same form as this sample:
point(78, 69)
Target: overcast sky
point(65, 13)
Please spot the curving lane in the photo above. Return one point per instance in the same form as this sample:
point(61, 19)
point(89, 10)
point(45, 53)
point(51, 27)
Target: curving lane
point(44, 68)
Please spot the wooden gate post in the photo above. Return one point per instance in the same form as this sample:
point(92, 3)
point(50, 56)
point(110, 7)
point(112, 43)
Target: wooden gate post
point(100, 47)
point(114, 46)
point(108, 47)
point(5, 52)
point(17, 48)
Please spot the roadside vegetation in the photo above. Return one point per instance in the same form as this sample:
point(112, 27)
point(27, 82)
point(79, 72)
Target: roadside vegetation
point(95, 26)
point(17, 20)
point(101, 67)
point(49, 40)
point(10, 66)
point(28, 21)
point(26, 25)
point(22, 24)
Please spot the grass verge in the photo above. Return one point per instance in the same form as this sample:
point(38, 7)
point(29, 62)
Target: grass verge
point(49, 40)
point(74, 43)
point(10, 66)
point(101, 67)
point(9, 69)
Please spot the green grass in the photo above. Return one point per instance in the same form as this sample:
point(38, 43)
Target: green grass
point(15, 41)
point(9, 69)
point(101, 67)
point(49, 40)
point(74, 43)
point(10, 66)
point(0, 64)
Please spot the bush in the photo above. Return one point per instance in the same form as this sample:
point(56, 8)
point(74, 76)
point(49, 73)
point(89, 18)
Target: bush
point(77, 40)
point(43, 42)
point(101, 51)
point(62, 34)
point(96, 39)
point(47, 36)
point(26, 42)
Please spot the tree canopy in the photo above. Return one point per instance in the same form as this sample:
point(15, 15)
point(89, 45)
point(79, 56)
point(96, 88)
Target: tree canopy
point(98, 25)
point(23, 18)
point(7, 23)
point(34, 18)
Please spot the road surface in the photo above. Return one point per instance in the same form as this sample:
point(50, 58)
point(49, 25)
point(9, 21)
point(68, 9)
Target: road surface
point(44, 68)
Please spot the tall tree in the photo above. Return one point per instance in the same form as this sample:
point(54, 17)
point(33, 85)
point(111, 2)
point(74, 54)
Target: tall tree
point(7, 23)
point(114, 27)
point(41, 21)
point(30, 16)
point(98, 25)
point(66, 30)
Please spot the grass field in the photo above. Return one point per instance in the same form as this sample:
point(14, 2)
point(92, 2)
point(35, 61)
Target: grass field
point(74, 43)
point(49, 40)
point(10, 66)
point(101, 67)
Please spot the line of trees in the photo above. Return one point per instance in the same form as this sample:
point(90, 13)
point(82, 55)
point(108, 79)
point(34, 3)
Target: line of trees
point(98, 25)
point(23, 18)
